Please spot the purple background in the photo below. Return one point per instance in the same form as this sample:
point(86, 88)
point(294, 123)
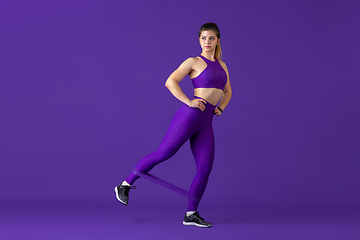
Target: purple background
point(82, 100)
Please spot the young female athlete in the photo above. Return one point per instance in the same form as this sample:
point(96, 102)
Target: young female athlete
point(193, 120)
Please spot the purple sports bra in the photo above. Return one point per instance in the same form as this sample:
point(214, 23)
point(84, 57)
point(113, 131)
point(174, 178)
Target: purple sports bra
point(213, 76)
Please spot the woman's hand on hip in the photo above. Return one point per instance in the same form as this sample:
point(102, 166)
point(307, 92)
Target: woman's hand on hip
point(198, 103)
point(217, 112)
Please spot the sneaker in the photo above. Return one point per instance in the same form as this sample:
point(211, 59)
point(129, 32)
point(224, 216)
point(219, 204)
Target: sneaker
point(195, 220)
point(122, 193)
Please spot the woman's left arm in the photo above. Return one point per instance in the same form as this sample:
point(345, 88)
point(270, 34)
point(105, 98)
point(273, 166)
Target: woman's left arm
point(227, 92)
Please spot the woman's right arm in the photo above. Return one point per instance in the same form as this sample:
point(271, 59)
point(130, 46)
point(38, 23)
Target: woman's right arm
point(172, 83)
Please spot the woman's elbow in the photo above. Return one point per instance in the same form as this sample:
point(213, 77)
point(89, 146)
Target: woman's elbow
point(169, 83)
point(228, 93)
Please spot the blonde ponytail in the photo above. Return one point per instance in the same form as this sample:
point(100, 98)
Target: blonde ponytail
point(218, 52)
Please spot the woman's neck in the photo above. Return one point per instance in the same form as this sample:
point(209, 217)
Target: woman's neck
point(209, 55)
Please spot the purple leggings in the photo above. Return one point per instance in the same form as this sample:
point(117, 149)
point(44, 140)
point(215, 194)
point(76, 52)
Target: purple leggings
point(193, 124)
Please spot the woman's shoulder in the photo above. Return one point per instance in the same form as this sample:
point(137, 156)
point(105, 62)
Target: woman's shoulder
point(222, 63)
point(191, 61)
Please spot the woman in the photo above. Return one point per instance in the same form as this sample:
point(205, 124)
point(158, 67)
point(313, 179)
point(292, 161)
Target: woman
point(193, 120)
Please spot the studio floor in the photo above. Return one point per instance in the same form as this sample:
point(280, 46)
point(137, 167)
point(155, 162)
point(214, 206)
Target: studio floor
point(145, 220)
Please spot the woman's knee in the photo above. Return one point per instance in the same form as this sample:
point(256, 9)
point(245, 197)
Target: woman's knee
point(160, 156)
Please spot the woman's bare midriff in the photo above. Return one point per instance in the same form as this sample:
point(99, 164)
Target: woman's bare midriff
point(212, 95)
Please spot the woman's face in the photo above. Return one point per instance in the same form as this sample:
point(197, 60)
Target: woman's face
point(208, 41)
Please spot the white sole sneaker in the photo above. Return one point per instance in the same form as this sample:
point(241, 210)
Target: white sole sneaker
point(194, 224)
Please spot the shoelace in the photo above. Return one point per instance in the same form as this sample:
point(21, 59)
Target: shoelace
point(127, 189)
point(197, 214)
point(201, 219)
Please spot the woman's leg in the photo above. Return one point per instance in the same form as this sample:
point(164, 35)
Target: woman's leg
point(203, 149)
point(181, 128)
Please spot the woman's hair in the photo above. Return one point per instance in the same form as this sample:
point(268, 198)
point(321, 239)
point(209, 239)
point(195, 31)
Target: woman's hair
point(213, 27)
